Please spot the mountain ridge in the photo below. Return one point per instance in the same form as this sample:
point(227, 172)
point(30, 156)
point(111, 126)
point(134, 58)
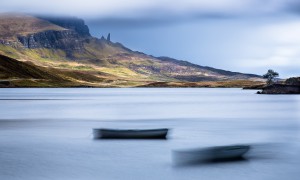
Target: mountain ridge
point(66, 44)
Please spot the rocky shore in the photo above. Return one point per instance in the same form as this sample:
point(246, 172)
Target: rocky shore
point(290, 86)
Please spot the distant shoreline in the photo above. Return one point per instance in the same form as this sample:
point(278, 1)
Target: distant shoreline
point(245, 84)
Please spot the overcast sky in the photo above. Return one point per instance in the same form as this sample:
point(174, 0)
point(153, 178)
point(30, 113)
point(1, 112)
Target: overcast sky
point(239, 35)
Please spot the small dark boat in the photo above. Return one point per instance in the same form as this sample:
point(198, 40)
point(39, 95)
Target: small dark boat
point(130, 134)
point(217, 153)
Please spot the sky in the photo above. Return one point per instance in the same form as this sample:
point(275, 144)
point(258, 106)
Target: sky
point(239, 35)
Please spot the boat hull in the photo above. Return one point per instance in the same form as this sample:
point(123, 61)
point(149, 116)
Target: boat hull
point(130, 134)
point(218, 153)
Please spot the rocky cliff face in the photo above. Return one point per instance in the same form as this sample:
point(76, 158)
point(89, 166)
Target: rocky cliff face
point(71, 23)
point(67, 34)
point(67, 40)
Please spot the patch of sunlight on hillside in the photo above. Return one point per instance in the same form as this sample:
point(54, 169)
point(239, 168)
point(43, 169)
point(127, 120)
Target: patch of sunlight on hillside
point(119, 71)
point(9, 51)
point(75, 66)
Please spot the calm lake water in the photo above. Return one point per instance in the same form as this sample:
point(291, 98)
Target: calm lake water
point(47, 133)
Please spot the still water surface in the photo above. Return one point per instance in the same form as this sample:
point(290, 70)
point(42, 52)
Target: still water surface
point(46, 133)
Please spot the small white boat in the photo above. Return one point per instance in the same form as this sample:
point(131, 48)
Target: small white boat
point(130, 134)
point(217, 153)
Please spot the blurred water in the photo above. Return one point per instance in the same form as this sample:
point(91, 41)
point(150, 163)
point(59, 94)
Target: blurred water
point(46, 133)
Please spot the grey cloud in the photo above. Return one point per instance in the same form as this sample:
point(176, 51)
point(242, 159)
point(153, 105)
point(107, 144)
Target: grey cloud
point(162, 20)
point(293, 7)
point(148, 9)
point(166, 12)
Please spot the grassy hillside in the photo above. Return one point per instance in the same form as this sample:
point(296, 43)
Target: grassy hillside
point(64, 54)
point(20, 24)
point(14, 73)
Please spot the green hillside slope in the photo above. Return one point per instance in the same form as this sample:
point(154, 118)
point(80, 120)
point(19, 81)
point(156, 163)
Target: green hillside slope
point(64, 45)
